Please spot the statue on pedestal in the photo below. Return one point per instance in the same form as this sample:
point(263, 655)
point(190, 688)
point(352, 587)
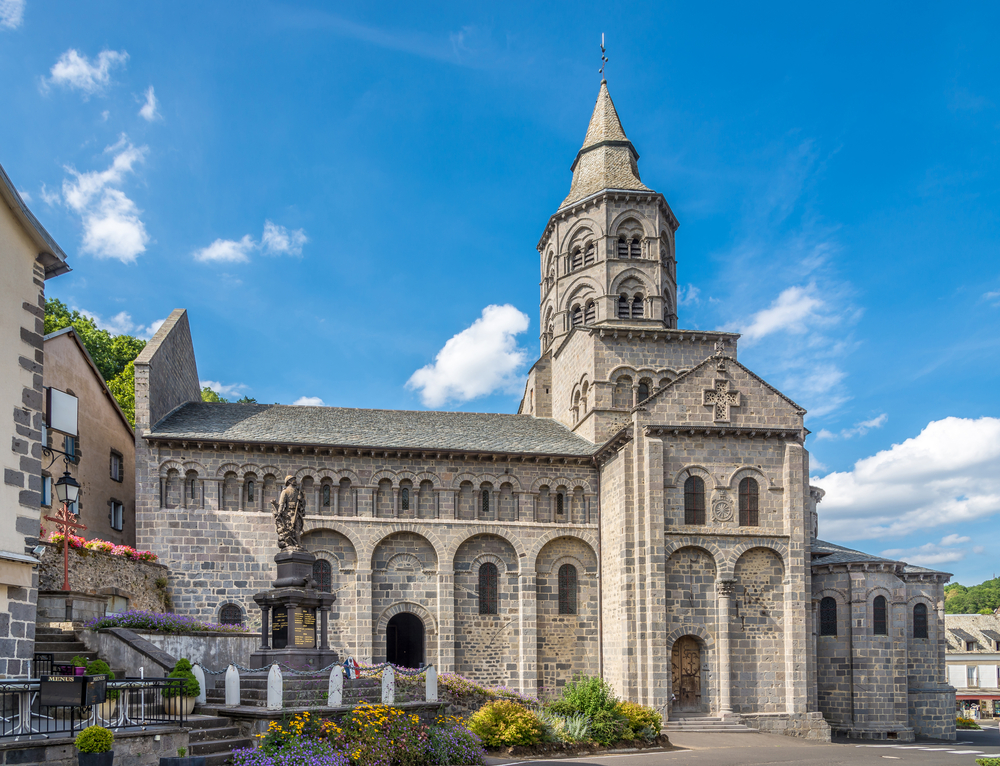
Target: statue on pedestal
point(289, 514)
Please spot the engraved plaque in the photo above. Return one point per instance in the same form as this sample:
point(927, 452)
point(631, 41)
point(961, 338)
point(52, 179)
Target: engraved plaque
point(279, 627)
point(305, 628)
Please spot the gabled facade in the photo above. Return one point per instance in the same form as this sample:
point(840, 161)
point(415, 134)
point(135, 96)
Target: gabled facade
point(105, 447)
point(646, 515)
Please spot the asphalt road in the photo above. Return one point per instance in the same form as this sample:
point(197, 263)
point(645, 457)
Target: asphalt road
point(761, 749)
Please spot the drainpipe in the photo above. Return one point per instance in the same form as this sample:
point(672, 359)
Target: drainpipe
point(600, 577)
point(850, 639)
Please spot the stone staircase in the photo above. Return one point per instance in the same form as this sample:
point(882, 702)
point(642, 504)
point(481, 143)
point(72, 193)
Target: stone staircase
point(694, 722)
point(215, 737)
point(62, 644)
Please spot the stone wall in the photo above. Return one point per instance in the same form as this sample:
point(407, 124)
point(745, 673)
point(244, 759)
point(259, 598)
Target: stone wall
point(757, 633)
point(131, 748)
point(96, 573)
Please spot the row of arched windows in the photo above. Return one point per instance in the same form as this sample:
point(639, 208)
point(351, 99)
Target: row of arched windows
point(584, 314)
point(582, 256)
point(629, 248)
point(488, 589)
point(748, 499)
point(828, 622)
point(634, 308)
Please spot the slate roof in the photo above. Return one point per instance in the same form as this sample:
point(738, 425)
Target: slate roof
point(831, 553)
point(607, 159)
point(385, 429)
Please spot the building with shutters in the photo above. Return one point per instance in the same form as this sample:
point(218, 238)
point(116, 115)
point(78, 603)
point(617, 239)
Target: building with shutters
point(973, 658)
point(646, 515)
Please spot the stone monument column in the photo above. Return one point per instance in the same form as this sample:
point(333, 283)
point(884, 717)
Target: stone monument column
point(726, 590)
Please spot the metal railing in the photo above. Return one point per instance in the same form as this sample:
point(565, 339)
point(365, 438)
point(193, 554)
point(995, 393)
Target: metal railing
point(131, 702)
point(43, 664)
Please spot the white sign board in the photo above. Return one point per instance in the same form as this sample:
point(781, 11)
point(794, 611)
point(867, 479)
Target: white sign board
point(61, 411)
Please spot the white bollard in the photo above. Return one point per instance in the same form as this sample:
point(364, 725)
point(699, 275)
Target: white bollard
point(199, 674)
point(431, 684)
point(232, 686)
point(274, 687)
point(388, 685)
point(335, 694)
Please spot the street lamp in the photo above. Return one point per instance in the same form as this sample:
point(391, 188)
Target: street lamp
point(67, 489)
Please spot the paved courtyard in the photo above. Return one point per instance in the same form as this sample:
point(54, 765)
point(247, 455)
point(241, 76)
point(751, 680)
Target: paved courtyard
point(759, 749)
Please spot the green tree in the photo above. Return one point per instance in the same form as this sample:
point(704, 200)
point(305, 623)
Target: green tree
point(122, 388)
point(977, 599)
point(208, 395)
point(246, 400)
point(111, 353)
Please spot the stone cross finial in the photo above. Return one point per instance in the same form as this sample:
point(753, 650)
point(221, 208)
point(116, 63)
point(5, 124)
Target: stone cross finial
point(721, 398)
point(720, 347)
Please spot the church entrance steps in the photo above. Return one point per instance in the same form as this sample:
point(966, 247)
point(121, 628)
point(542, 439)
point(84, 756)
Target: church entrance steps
point(215, 738)
point(704, 723)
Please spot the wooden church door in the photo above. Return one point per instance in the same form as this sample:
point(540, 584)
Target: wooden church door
point(686, 666)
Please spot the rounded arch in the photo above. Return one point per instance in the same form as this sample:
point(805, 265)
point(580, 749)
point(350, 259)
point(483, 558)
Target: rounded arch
point(420, 530)
point(838, 594)
point(194, 465)
point(402, 557)
point(734, 554)
point(710, 547)
point(689, 630)
point(582, 230)
point(750, 471)
point(172, 465)
point(694, 470)
point(879, 590)
point(560, 481)
point(490, 558)
point(318, 524)
point(430, 624)
point(482, 529)
point(531, 563)
point(230, 605)
point(326, 473)
point(332, 560)
point(636, 274)
point(581, 287)
point(378, 476)
point(433, 478)
point(581, 568)
point(632, 214)
point(622, 369)
point(472, 478)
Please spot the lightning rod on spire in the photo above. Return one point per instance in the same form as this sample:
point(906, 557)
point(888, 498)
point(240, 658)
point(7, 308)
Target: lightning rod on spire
point(604, 59)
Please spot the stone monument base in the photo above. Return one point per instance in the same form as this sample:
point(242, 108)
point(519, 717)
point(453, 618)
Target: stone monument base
point(294, 618)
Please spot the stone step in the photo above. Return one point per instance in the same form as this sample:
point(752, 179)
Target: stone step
point(211, 746)
point(77, 647)
point(218, 759)
point(198, 721)
point(222, 732)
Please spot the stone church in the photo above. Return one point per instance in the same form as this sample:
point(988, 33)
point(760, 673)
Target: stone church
point(646, 515)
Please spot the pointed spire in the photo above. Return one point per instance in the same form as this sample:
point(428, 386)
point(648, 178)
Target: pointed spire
point(607, 159)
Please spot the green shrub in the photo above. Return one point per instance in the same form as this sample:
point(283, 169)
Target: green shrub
point(382, 734)
point(98, 668)
point(988, 761)
point(191, 687)
point(79, 661)
point(504, 723)
point(966, 723)
point(95, 739)
point(594, 698)
point(643, 722)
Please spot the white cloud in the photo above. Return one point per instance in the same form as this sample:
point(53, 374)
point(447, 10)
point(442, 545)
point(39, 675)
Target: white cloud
point(687, 295)
point(50, 198)
point(480, 360)
point(11, 13)
point(308, 401)
point(122, 323)
point(948, 474)
point(931, 554)
point(75, 71)
point(231, 389)
point(858, 429)
point(276, 240)
point(226, 251)
point(993, 297)
point(793, 311)
point(149, 111)
point(279, 240)
point(111, 224)
point(26, 196)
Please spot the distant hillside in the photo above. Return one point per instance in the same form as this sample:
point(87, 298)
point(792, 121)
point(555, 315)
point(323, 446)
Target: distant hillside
point(979, 599)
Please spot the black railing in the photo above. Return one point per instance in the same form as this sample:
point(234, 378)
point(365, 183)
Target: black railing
point(131, 702)
point(42, 665)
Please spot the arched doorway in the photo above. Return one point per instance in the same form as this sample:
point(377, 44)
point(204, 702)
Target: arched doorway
point(685, 664)
point(404, 640)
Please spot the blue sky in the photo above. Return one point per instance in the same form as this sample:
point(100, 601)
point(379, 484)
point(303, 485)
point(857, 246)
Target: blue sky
point(350, 187)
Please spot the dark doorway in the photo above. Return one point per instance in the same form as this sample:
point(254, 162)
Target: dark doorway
point(686, 671)
point(404, 641)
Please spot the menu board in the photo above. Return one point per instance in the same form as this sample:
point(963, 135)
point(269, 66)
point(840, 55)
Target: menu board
point(305, 628)
point(279, 627)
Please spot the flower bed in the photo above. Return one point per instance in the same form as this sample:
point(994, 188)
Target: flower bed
point(158, 622)
point(125, 551)
point(372, 735)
